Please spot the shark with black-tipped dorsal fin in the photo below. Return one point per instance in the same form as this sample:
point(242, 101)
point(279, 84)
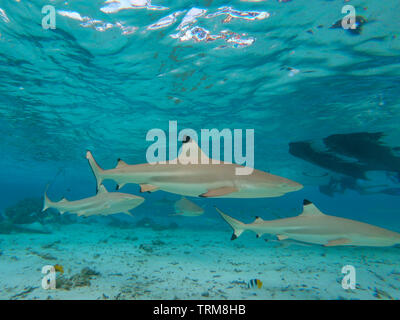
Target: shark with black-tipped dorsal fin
point(104, 203)
point(194, 174)
point(313, 226)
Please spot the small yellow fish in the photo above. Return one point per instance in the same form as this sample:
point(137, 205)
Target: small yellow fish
point(255, 282)
point(59, 268)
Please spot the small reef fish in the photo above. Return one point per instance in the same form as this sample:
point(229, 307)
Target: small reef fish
point(190, 176)
point(59, 268)
point(313, 226)
point(255, 283)
point(104, 203)
point(187, 208)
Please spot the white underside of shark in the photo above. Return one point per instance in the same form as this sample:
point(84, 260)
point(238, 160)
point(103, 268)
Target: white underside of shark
point(196, 179)
point(313, 226)
point(104, 203)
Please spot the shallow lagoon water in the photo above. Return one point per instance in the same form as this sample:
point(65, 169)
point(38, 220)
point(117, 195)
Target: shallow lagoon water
point(108, 74)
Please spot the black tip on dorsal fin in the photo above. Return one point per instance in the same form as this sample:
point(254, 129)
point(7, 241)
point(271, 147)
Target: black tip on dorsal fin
point(117, 187)
point(119, 159)
point(257, 236)
point(186, 139)
point(234, 236)
point(306, 202)
point(257, 217)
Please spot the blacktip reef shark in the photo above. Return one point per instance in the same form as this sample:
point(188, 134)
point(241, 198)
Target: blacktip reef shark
point(313, 226)
point(188, 176)
point(104, 203)
point(187, 208)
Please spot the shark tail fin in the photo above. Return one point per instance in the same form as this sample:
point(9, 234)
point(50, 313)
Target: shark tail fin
point(47, 201)
point(237, 226)
point(97, 171)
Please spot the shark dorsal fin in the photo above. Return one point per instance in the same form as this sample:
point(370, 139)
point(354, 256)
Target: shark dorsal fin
point(102, 189)
point(310, 210)
point(64, 199)
point(121, 164)
point(258, 219)
point(190, 153)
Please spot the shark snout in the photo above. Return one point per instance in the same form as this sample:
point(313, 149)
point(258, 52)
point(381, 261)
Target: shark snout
point(292, 186)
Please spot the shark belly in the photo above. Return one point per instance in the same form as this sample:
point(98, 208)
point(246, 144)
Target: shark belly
point(197, 188)
point(191, 190)
point(314, 239)
point(322, 237)
point(195, 180)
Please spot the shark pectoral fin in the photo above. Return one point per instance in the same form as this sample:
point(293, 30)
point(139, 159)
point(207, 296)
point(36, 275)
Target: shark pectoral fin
point(128, 213)
point(148, 188)
point(101, 189)
point(219, 192)
point(282, 237)
point(337, 242)
point(119, 186)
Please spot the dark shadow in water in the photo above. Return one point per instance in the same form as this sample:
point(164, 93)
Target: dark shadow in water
point(305, 150)
point(351, 155)
point(367, 148)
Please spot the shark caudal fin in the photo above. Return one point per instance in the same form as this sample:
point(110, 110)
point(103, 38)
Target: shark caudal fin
point(47, 201)
point(237, 226)
point(97, 171)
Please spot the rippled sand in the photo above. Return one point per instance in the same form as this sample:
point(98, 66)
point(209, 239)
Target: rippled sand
point(140, 263)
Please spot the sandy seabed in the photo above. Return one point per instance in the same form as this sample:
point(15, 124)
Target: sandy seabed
point(140, 263)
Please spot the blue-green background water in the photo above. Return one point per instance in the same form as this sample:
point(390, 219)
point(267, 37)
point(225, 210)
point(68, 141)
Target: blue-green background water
point(102, 85)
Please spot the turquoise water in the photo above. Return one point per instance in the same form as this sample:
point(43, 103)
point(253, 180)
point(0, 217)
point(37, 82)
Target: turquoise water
point(110, 72)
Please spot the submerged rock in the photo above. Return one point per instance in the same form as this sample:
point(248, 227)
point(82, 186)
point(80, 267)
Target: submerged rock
point(25, 211)
point(35, 227)
point(6, 227)
point(146, 247)
point(81, 279)
point(158, 242)
point(89, 272)
point(29, 210)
